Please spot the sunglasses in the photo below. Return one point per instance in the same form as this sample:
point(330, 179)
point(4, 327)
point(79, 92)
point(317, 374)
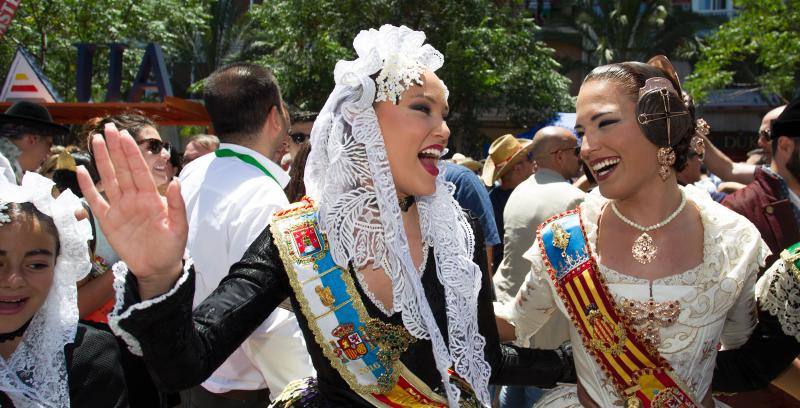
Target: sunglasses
point(766, 134)
point(155, 146)
point(299, 137)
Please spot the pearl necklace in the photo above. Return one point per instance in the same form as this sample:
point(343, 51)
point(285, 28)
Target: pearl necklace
point(644, 250)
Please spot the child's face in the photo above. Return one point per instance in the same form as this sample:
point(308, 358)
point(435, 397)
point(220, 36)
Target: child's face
point(27, 260)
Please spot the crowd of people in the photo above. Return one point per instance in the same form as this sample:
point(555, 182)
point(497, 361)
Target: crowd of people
point(337, 259)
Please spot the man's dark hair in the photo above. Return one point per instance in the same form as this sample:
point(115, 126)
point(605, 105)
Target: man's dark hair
point(239, 98)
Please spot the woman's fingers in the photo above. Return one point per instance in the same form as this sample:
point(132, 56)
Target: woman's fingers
point(105, 168)
point(140, 175)
point(90, 193)
point(118, 158)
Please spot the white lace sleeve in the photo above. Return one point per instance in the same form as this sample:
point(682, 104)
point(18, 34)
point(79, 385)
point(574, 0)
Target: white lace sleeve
point(742, 317)
point(119, 312)
point(534, 303)
point(778, 293)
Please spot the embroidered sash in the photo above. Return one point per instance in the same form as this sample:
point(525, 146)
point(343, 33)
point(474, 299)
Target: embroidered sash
point(641, 376)
point(365, 351)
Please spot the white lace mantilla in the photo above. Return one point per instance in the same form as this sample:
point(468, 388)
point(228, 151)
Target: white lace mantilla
point(348, 175)
point(36, 374)
point(716, 298)
point(778, 292)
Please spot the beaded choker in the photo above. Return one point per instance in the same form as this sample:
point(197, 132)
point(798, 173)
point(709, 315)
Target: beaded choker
point(4, 337)
point(406, 203)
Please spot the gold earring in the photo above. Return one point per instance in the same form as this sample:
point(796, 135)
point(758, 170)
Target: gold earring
point(665, 158)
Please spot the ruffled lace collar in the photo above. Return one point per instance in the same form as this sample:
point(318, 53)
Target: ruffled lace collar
point(778, 293)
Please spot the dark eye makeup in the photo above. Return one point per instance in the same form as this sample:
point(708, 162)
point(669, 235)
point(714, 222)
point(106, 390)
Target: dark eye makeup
point(422, 108)
point(607, 122)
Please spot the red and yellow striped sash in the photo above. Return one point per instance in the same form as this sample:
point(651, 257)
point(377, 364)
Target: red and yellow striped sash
point(638, 371)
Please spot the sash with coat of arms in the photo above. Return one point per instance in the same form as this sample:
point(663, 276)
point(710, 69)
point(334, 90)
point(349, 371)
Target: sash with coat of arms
point(365, 351)
point(640, 375)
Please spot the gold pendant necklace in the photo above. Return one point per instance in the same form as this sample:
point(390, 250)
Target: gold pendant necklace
point(644, 250)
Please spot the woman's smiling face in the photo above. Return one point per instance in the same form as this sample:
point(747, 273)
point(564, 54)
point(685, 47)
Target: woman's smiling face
point(415, 133)
point(614, 148)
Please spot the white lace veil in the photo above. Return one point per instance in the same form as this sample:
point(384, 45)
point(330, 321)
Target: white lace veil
point(348, 175)
point(36, 374)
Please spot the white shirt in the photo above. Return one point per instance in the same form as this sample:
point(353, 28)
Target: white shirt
point(229, 203)
point(717, 301)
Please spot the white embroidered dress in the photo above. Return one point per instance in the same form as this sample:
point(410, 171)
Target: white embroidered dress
point(717, 302)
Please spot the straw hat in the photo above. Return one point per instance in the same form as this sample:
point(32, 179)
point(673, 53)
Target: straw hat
point(504, 153)
point(467, 162)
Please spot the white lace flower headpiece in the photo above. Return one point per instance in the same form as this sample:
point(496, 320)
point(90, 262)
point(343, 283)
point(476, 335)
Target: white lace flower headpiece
point(36, 373)
point(348, 175)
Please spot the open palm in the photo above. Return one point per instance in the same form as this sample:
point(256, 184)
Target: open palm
point(146, 230)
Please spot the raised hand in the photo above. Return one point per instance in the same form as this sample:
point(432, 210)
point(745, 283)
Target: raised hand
point(146, 230)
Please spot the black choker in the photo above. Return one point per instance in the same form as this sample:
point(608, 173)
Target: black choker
point(4, 337)
point(405, 203)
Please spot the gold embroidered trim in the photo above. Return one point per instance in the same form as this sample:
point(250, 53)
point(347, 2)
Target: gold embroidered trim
point(281, 225)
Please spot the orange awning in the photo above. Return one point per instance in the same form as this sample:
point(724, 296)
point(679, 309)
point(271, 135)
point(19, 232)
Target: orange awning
point(173, 111)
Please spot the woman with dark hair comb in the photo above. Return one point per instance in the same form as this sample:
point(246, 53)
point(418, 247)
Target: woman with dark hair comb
point(652, 275)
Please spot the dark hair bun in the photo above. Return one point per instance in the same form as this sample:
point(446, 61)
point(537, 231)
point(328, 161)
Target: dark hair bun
point(663, 117)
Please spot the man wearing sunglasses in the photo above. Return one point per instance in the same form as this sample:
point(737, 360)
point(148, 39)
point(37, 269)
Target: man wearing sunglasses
point(542, 195)
point(230, 196)
point(726, 169)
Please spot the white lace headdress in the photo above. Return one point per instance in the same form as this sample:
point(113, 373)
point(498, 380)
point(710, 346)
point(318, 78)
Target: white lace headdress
point(348, 175)
point(36, 374)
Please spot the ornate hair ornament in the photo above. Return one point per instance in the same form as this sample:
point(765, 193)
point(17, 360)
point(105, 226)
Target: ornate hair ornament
point(662, 110)
point(702, 129)
point(662, 89)
point(65, 161)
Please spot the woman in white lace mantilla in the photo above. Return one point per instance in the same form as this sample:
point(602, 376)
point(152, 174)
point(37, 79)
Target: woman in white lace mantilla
point(671, 273)
point(380, 257)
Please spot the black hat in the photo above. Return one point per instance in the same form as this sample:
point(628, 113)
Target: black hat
point(33, 115)
point(788, 123)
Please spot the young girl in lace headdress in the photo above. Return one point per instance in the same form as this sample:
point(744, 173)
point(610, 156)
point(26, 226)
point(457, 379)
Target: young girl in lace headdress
point(48, 359)
point(380, 263)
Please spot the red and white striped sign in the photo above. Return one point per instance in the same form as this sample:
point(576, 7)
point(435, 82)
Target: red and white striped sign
point(24, 82)
point(7, 10)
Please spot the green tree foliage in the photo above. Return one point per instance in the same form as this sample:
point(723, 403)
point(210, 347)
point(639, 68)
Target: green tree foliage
point(49, 28)
point(761, 45)
point(493, 61)
point(635, 30)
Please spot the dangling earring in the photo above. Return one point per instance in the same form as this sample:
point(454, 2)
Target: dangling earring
point(665, 158)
